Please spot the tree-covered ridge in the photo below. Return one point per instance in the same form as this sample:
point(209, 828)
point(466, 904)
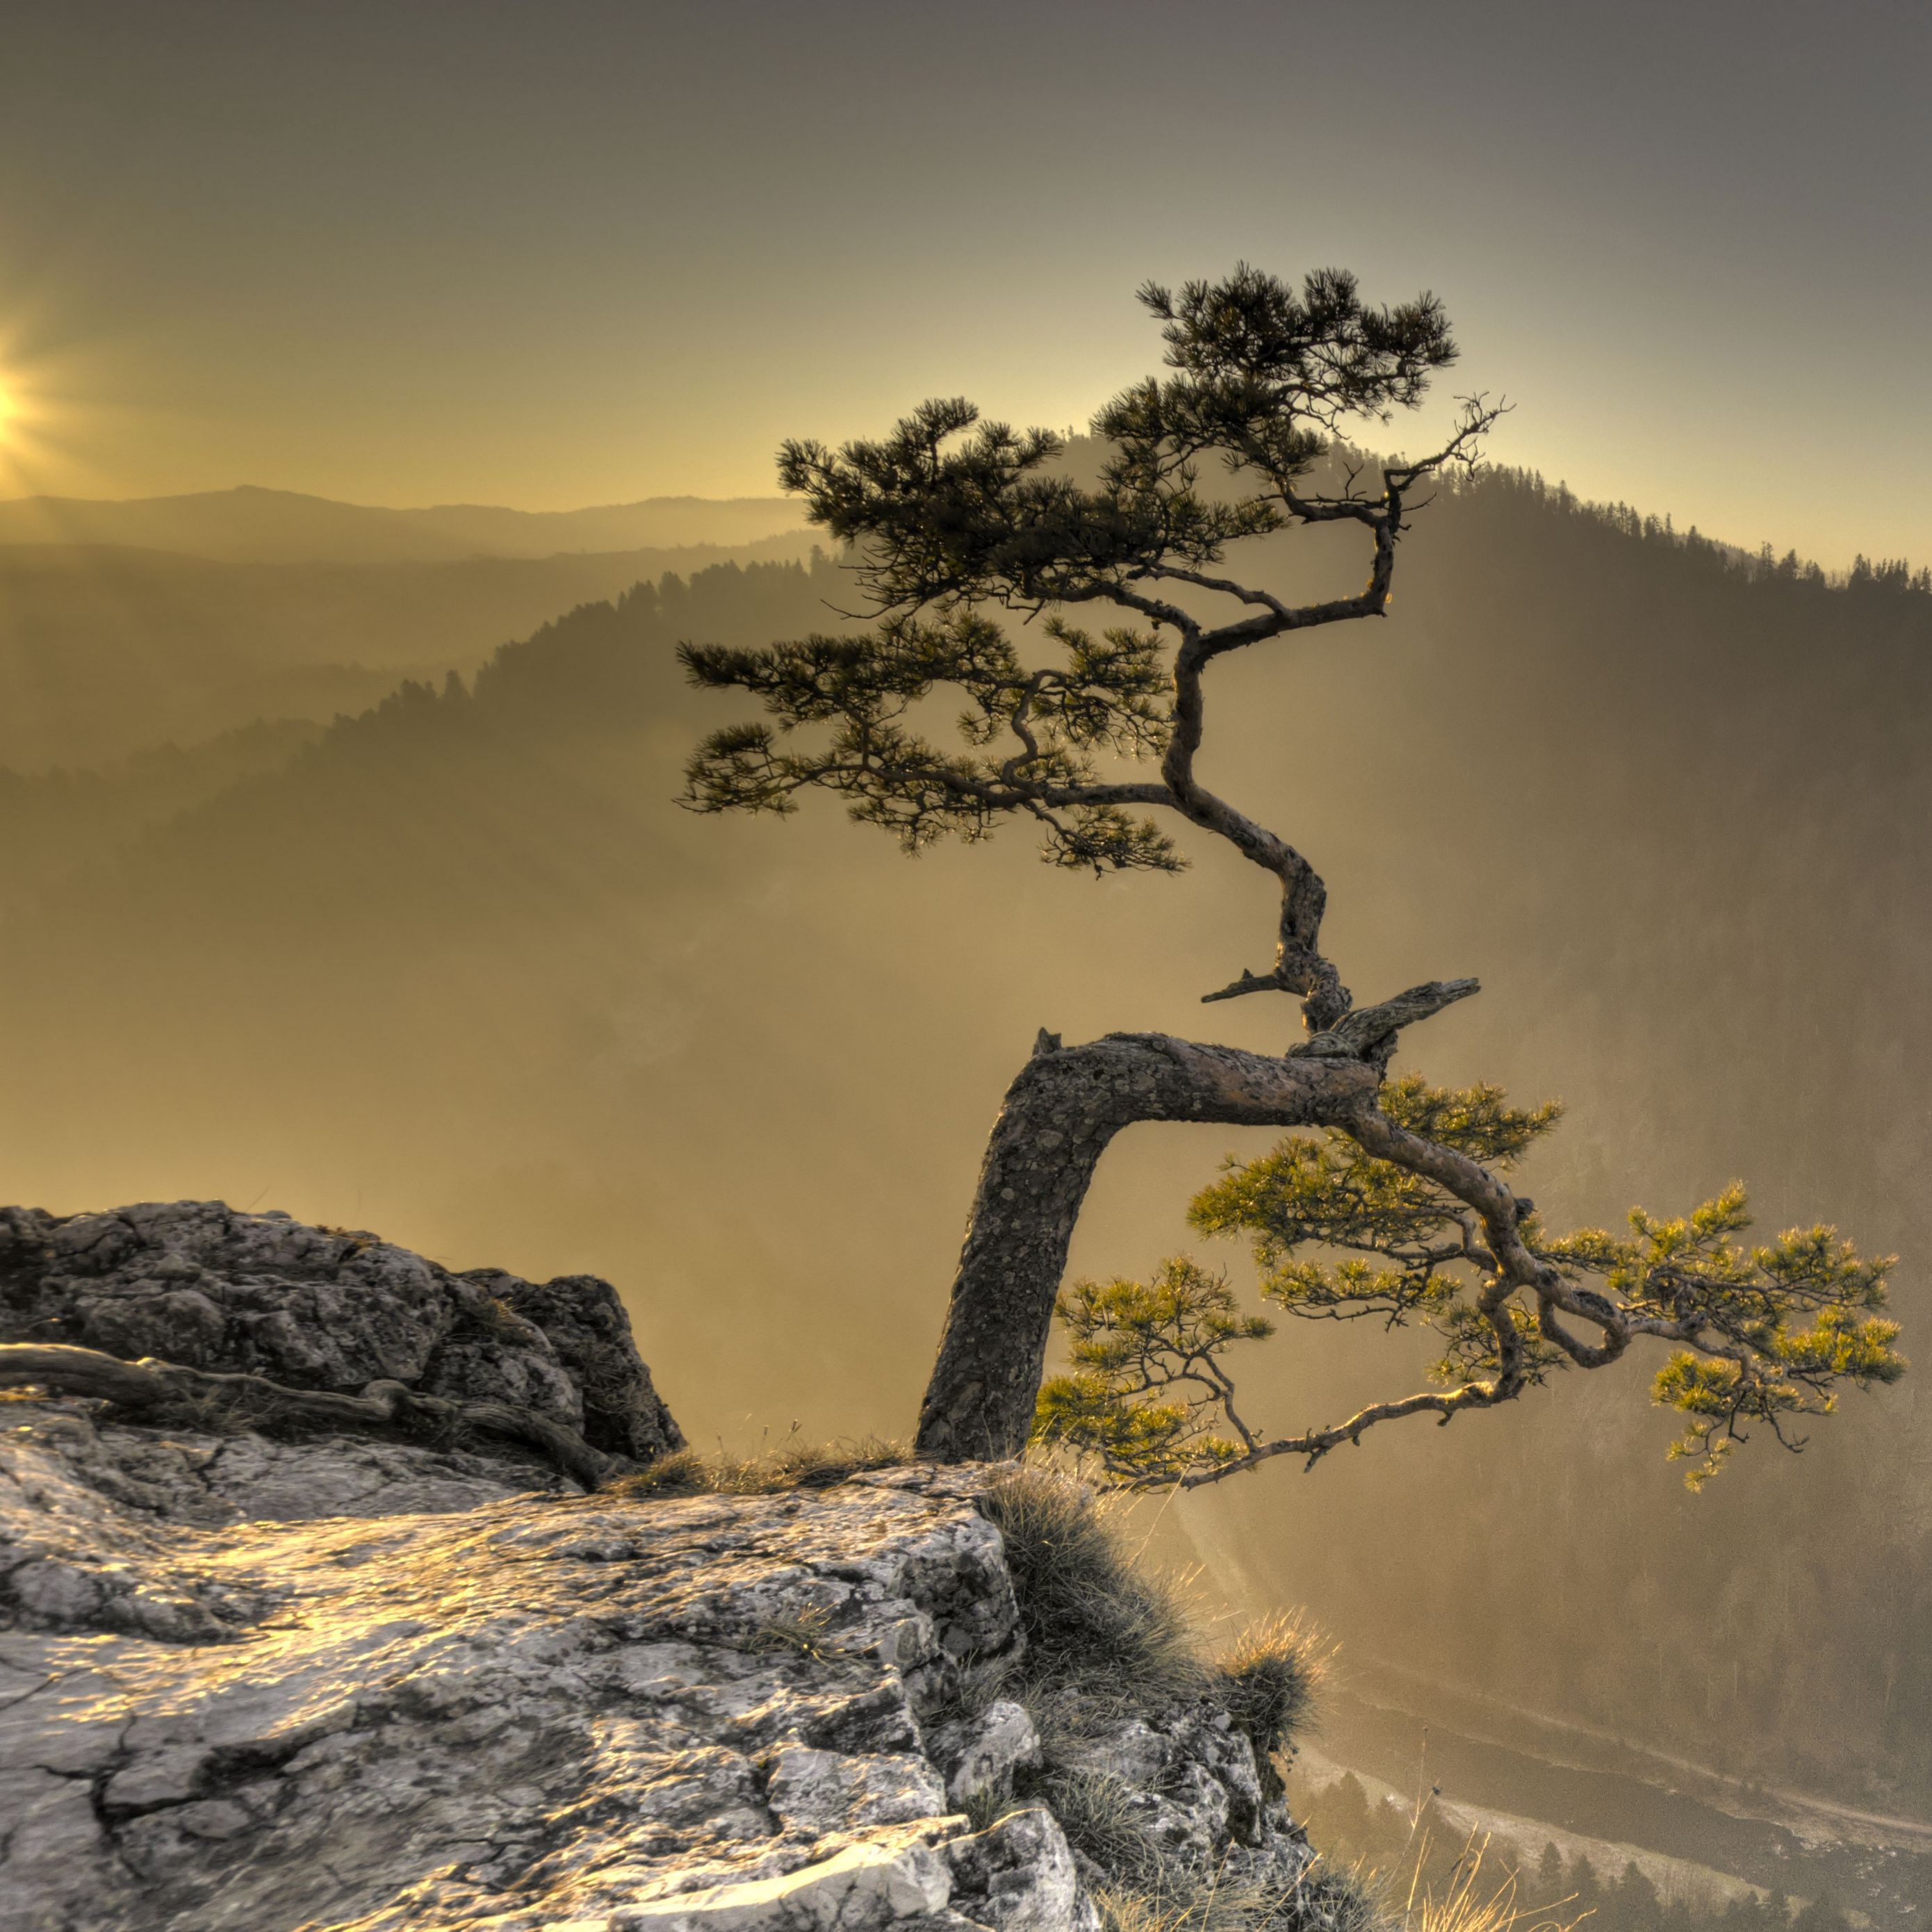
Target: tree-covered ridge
point(1865, 575)
point(1417, 1853)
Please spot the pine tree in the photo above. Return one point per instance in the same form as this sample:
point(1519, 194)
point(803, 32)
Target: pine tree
point(1585, 1887)
point(1341, 1821)
point(1635, 1905)
point(1549, 1878)
point(1392, 1205)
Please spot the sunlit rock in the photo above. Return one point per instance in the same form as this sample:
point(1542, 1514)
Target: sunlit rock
point(351, 1678)
point(452, 1705)
point(198, 1283)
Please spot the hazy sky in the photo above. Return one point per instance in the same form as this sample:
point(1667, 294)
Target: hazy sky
point(558, 253)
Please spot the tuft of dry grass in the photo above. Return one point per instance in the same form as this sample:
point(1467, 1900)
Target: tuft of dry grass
point(495, 1318)
point(804, 1633)
point(1268, 1681)
point(1096, 1623)
point(1474, 1896)
point(1327, 1898)
point(1323, 1898)
point(1466, 1899)
point(1100, 1816)
point(212, 1414)
point(792, 1465)
point(684, 1473)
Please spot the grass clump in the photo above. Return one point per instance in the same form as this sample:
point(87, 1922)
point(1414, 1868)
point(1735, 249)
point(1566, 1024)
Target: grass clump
point(1096, 1623)
point(1329, 1898)
point(1098, 1813)
point(496, 1319)
point(1463, 1899)
point(805, 1633)
point(684, 1472)
point(1425, 1891)
point(793, 1464)
point(1268, 1681)
point(1324, 1898)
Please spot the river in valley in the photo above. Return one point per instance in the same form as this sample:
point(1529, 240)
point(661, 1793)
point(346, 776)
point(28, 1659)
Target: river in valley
point(1526, 1780)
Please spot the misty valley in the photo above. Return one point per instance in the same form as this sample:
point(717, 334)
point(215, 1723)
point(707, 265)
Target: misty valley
point(347, 881)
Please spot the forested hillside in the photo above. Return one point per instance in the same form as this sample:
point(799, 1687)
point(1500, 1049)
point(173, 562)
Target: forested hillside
point(460, 970)
point(107, 651)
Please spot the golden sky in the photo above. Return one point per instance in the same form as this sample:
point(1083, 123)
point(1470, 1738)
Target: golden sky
point(550, 256)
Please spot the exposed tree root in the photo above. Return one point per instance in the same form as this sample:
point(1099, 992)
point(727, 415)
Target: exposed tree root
point(148, 1384)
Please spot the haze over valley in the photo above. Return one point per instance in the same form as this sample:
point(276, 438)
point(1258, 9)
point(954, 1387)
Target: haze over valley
point(453, 968)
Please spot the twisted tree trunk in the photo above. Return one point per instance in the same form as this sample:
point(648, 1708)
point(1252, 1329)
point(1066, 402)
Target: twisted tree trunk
point(1058, 1116)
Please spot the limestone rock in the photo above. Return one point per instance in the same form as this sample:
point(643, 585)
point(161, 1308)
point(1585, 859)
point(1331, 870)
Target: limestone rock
point(1187, 1779)
point(861, 1888)
point(1018, 1875)
point(819, 1791)
point(985, 1752)
point(585, 1324)
point(418, 1698)
point(196, 1282)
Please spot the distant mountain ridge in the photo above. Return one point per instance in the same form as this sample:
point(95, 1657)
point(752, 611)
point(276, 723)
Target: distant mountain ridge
point(252, 525)
point(106, 650)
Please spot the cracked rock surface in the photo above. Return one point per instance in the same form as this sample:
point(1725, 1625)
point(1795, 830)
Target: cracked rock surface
point(197, 1283)
point(441, 1703)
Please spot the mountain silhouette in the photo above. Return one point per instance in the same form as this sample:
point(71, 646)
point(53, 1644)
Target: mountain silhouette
point(251, 525)
point(106, 651)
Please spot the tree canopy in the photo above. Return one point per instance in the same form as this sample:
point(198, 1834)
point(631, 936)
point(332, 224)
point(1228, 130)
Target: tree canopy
point(1766, 1331)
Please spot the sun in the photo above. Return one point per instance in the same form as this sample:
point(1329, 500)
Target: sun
point(23, 421)
point(16, 413)
point(45, 415)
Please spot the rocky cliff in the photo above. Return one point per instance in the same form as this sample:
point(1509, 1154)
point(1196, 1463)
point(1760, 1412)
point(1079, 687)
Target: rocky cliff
point(328, 1310)
point(315, 1679)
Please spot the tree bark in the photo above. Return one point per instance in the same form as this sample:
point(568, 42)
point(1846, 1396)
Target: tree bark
point(1058, 1116)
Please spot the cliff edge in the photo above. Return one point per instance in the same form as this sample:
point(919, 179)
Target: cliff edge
point(352, 1679)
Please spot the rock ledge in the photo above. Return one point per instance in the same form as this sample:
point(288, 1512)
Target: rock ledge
point(195, 1283)
point(357, 1683)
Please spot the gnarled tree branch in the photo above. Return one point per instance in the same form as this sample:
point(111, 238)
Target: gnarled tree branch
point(1764, 1335)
